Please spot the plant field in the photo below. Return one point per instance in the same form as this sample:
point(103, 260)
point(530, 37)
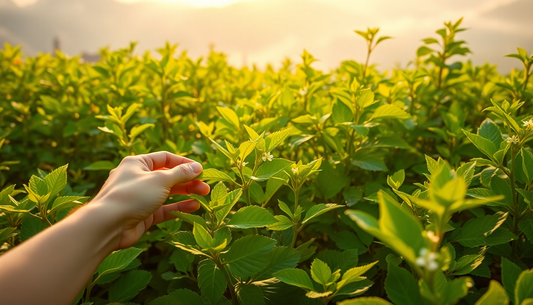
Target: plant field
point(353, 186)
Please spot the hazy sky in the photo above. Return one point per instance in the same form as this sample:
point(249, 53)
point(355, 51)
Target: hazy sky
point(267, 31)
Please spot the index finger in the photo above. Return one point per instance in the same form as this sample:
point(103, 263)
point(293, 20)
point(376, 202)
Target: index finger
point(163, 159)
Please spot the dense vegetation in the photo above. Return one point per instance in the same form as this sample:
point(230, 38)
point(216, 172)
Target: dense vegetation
point(413, 186)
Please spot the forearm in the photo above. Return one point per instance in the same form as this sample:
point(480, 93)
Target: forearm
point(55, 265)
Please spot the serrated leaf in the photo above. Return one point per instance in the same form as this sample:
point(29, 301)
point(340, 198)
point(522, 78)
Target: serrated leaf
point(211, 280)
point(524, 287)
point(510, 273)
point(129, 285)
point(475, 231)
point(212, 175)
point(270, 168)
point(250, 295)
point(117, 261)
point(484, 145)
point(368, 161)
point(295, 277)
point(282, 223)
point(137, 130)
point(318, 210)
point(251, 217)
point(248, 255)
point(274, 139)
point(190, 218)
point(56, 180)
point(389, 111)
point(401, 286)
point(494, 295)
point(320, 272)
point(280, 258)
point(230, 116)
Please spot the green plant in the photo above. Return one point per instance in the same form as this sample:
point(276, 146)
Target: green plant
point(392, 187)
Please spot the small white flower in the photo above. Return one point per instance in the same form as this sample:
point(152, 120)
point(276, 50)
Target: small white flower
point(294, 170)
point(427, 260)
point(528, 124)
point(512, 140)
point(244, 163)
point(267, 156)
point(432, 266)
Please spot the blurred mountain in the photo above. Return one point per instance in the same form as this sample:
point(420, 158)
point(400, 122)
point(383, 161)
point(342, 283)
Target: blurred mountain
point(268, 30)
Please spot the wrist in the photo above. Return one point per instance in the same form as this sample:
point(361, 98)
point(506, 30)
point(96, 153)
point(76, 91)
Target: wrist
point(103, 222)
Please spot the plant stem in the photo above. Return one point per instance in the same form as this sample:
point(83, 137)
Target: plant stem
point(516, 208)
point(222, 268)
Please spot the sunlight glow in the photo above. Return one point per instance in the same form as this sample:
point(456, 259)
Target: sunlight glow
point(196, 3)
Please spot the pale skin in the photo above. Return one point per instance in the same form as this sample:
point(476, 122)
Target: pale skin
point(54, 266)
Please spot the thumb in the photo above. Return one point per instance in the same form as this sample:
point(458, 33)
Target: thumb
point(183, 173)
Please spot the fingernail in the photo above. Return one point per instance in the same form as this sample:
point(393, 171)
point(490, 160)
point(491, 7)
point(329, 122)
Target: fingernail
point(196, 167)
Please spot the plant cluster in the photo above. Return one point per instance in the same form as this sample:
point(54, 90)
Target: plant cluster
point(355, 186)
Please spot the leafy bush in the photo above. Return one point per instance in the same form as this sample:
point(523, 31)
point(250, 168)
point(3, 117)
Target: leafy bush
point(413, 186)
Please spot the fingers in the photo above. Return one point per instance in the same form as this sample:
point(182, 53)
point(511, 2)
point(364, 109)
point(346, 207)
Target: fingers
point(186, 206)
point(180, 174)
point(192, 187)
point(162, 159)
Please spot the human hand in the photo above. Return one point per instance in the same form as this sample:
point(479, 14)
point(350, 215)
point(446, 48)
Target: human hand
point(137, 188)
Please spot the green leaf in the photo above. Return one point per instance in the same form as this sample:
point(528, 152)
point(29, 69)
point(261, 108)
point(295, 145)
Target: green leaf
point(524, 287)
point(100, 165)
point(65, 202)
point(341, 113)
point(117, 261)
point(318, 210)
point(510, 273)
point(179, 297)
point(219, 194)
point(230, 116)
point(355, 274)
point(365, 98)
point(251, 217)
point(401, 286)
point(330, 180)
point(475, 231)
point(280, 258)
point(38, 187)
point(30, 227)
point(129, 285)
point(276, 138)
point(202, 237)
point(484, 145)
point(282, 223)
point(369, 161)
point(456, 290)
point(245, 149)
point(211, 280)
point(190, 218)
point(248, 255)
point(250, 295)
point(365, 301)
point(231, 200)
point(395, 142)
point(212, 175)
point(489, 130)
point(389, 111)
point(56, 180)
point(295, 277)
point(270, 168)
point(394, 221)
point(6, 233)
point(494, 295)
point(137, 130)
point(320, 272)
